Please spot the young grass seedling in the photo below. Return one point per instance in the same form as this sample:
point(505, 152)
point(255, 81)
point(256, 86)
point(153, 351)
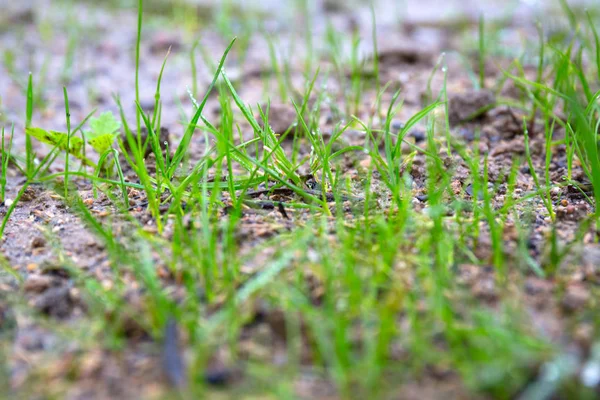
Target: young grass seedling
point(4, 160)
point(28, 117)
point(68, 117)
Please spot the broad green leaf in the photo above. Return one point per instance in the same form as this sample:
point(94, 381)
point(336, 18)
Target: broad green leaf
point(57, 139)
point(101, 143)
point(106, 123)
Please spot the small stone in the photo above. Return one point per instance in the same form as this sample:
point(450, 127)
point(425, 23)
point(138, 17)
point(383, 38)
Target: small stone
point(584, 334)
point(150, 228)
point(38, 242)
point(536, 286)
point(485, 289)
point(397, 125)
point(90, 364)
point(366, 163)
point(163, 137)
point(163, 42)
point(469, 105)
point(38, 283)
point(561, 212)
point(276, 321)
point(403, 53)
point(575, 298)
point(419, 135)
point(218, 376)
point(281, 118)
point(75, 294)
point(163, 273)
point(55, 302)
point(514, 146)
point(28, 194)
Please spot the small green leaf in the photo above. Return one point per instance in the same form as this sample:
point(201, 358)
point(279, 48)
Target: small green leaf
point(103, 142)
point(57, 139)
point(106, 123)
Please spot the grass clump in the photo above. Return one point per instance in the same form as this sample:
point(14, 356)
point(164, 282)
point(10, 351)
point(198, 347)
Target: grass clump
point(308, 253)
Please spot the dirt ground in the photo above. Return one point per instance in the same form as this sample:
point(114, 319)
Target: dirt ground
point(45, 239)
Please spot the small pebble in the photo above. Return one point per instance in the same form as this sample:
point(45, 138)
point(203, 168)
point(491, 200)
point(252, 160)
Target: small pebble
point(218, 376)
point(37, 283)
point(575, 298)
point(38, 242)
point(31, 267)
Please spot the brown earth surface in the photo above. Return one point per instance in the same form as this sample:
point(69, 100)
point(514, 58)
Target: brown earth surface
point(45, 241)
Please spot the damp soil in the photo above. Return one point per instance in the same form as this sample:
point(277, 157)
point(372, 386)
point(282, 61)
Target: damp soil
point(47, 245)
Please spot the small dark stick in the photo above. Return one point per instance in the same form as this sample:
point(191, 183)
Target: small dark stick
point(173, 363)
point(282, 210)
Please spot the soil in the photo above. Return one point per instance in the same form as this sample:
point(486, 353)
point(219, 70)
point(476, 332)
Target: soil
point(47, 244)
